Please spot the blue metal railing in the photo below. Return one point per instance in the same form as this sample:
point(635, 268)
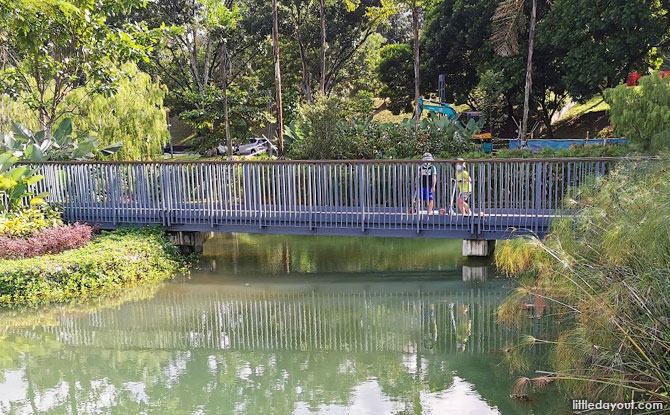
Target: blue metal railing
point(376, 198)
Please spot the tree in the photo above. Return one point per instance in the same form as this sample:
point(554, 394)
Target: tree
point(455, 43)
point(350, 27)
point(322, 19)
point(505, 28)
point(614, 38)
point(395, 72)
point(50, 47)
point(207, 58)
point(133, 116)
point(417, 80)
point(275, 53)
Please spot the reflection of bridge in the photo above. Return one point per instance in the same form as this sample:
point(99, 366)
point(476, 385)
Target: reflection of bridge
point(329, 317)
point(367, 198)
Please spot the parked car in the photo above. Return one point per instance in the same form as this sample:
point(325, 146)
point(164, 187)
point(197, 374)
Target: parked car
point(255, 146)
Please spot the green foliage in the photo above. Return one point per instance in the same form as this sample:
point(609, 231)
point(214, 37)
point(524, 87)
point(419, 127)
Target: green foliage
point(599, 41)
point(15, 182)
point(396, 73)
point(489, 95)
point(25, 221)
point(642, 113)
point(603, 273)
point(109, 264)
point(53, 46)
point(331, 128)
point(60, 144)
point(133, 116)
point(609, 150)
point(455, 43)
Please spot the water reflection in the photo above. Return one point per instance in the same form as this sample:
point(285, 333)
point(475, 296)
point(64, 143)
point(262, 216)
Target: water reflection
point(282, 254)
point(222, 342)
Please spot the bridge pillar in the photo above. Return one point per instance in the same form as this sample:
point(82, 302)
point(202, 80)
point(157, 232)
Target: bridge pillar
point(478, 247)
point(189, 242)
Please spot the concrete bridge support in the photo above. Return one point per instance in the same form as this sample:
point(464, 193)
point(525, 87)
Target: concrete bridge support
point(478, 247)
point(189, 242)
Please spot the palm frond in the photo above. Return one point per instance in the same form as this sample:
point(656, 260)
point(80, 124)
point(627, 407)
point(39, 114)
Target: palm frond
point(505, 27)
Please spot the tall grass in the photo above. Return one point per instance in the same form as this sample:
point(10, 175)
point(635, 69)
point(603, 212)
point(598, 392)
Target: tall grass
point(604, 278)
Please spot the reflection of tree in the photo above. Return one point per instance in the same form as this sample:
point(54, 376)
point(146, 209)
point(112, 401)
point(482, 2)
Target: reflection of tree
point(284, 254)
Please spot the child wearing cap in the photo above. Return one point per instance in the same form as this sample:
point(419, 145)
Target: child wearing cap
point(428, 180)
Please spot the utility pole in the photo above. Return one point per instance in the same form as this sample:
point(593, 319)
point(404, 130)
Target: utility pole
point(275, 48)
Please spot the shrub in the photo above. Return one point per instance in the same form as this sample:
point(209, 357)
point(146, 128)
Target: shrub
point(49, 241)
point(109, 263)
point(642, 113)
point(332, 128)
point(21, 223)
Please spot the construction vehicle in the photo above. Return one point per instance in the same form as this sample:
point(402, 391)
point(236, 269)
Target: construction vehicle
point(441, 108)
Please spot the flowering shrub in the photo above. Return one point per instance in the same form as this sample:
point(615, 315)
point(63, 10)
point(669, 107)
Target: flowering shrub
point(24, 222)
point(109, 264)
point(49, 241)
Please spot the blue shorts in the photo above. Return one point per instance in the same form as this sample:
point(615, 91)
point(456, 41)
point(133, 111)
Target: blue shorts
point(426, 194)
point(464, 196)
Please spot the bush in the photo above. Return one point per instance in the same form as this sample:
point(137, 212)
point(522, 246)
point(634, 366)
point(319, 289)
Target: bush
point(24, 222)
point(49, 241)
point(109, 263)
point(332, 128)
point(642, 113)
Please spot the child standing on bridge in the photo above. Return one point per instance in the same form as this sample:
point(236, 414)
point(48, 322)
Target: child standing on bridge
point(428, 178)
point(464, 182)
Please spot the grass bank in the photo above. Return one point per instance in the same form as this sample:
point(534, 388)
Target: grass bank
point(112, 262)
point(603, 278)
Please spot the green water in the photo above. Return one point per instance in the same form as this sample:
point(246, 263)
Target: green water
point(279, 325)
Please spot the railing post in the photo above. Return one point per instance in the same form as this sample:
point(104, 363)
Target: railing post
point(539, 179)
point(361, 193)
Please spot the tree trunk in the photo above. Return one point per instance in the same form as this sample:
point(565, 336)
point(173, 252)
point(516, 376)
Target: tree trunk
point(529, 74)
point(275, 49)
point(225, 71)
point(415, 29)
point(322, 16)
point(226, 120)
point(546, 115)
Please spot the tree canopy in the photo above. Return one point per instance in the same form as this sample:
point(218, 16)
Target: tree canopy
point(213, 59)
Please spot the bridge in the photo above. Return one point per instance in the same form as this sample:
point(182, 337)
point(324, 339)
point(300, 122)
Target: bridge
point(354, 198)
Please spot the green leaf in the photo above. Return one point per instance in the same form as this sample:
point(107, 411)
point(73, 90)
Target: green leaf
point(22, 131)
point(17, 172)
point(111, 149)
point(63, 130)
point(34, 179)
point(34, 153)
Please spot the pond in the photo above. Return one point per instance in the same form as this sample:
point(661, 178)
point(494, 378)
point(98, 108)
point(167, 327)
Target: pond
point(279, 325)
